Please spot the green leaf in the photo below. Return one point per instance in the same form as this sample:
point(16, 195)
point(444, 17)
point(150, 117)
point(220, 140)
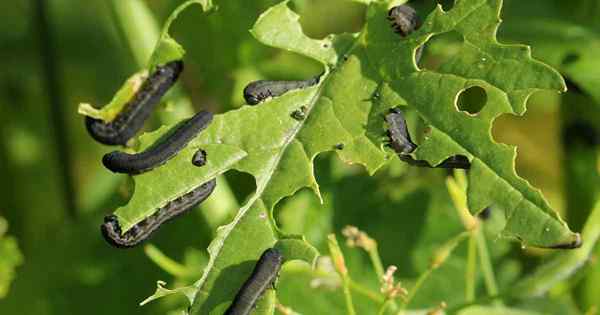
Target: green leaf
point(562, 266)
point(297, 248)
point(508, 75)
point(108, 112)
point(10, 258)
point(167, 49)
point(365, 75)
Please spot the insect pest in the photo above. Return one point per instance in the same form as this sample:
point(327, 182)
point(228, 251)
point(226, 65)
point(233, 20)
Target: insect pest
point(400, 141)
point(199, 158)
point(258, 91)
point(404, 19)
point(131, 119)
point(121, 162)
point(398, 132)
point(263, 276)
point(111, 230)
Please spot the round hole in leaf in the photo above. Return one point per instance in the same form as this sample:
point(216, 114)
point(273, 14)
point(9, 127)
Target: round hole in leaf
point(439, 49)
point(472, 100)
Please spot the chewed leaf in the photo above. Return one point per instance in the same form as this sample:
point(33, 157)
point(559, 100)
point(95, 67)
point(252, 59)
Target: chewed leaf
point(365, 75)
point(167, 50)
point(108, 112)
point(279, 27)
point(161, 292)
point(297, 248)
point(508, 75)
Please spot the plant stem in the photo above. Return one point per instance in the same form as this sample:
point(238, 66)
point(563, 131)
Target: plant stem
point(486, 264)
point(340, 267)
point(366, 292)
point(137, 27)
point(376, 260)
point(385, 306)
point(413, 291)
point(52, 81)
point(471, 272)
point(164, 262)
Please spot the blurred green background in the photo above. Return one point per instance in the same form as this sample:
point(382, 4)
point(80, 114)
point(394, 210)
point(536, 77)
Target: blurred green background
point(54, 191)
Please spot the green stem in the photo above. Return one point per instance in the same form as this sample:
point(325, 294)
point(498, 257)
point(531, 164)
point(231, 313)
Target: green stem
point(376, 261)
point(385, 306)
point(413, 291)
point(486, 264)
point(348, 296)
point(137, 27)
point(366, 292)
point(164, 262)
point(471, 272)
point(340, 267)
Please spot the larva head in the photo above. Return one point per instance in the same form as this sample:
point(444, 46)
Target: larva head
point(273, 258)
point(111, 230)
point(404, 19)
point(253, 92)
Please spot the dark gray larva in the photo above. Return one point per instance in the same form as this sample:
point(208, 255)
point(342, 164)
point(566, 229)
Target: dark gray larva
point(398, 132)
point(131, 119)
point(199, 158)
point(258, 91)
point(399, 140)
point(120, 162)
point(263, 276)
point(405, 20)
point(111, 230)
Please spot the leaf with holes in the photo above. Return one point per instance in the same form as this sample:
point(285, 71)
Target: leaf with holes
point(365, 75)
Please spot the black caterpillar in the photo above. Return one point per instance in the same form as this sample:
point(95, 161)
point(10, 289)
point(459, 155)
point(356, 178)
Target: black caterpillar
point(404, 20)
point(120, 162)
point(258, 91)
point(111, 230)
point(399, 140)
point(131, 119)
point(264, 274)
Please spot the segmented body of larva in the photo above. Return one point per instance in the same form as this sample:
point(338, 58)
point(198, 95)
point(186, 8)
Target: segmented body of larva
point(121, 162)
point(258, 91)
point(131, 119)
point(111, 229)
point(263, 276)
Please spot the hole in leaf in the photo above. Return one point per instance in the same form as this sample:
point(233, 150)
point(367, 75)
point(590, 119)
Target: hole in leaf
point(241, 184)
point(569, 59)
point(316, 17)
point(536, 134)
point(472, 100)
point(440, 49)
point(425, 7)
